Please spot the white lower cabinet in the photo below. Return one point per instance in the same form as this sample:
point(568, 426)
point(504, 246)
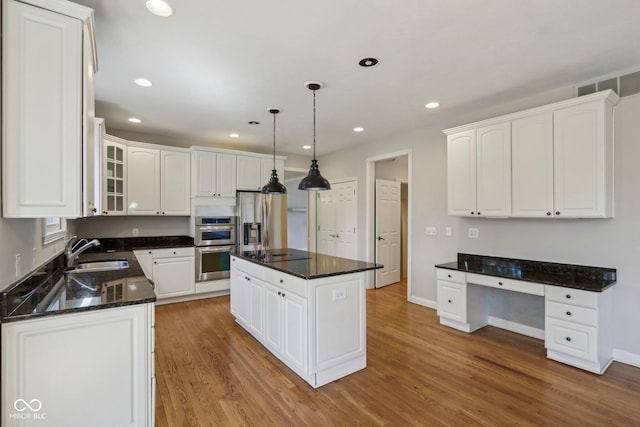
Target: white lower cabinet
point(82, 369)
point(578, 327)
point(316, 327)
point(172, 270)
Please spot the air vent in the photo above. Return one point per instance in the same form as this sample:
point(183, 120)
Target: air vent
point(623, 85)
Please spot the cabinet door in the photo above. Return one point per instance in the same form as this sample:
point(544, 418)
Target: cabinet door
point(42, 107)
point(273, 326)
point(461, 173)
point(204, 165)
point(114, 177)
point(143, 181)
point(174, 276)
point(226, 175)
point(532, 166)
point(266, 166)
point(145, 259)
point(70, 362)
point(452, 301)
point(582, 162)
point(239, 290)
point(91, 139)
point(248, 173)
point(256, 306)
point(493, 174)
point(296, 334)
point(175, 172)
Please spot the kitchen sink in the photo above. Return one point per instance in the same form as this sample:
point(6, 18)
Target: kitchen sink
point(106, 265)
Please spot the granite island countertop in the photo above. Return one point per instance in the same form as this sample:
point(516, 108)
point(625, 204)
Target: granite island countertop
point(306, 265)
point(594, 279)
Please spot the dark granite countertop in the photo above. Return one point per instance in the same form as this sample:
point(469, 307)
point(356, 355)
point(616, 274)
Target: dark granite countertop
point(595, 279)
point(307, 265)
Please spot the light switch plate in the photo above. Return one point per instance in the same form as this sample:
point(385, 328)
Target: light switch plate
point(448, 231)
point(432, 231)
point(473, 233)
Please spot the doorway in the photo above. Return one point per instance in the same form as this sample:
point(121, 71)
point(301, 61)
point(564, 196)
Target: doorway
point(393, 167)
point(297, 210)
point(337, 220)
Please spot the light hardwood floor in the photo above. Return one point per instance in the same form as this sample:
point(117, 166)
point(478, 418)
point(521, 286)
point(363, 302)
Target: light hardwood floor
point(210, 372)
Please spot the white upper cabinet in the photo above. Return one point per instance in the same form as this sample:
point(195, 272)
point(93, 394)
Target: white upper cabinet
point(558, 160)
point(461, 173)
point(158, 181)
point(214, 174)
point(91, 140)
point(583, 161)
point(532, 165)
point(45, 107)
point(249, 174)
point(114, 176)
point(493, 173)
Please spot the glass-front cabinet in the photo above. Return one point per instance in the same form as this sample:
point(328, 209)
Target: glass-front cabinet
point(114, 176)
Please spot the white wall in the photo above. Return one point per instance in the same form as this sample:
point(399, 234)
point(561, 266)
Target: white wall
point(611, 243)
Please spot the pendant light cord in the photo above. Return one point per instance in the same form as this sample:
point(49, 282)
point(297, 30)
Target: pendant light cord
point(274, 141)
point(314, 124)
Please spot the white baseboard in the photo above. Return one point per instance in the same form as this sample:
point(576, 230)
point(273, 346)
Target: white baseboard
point(516, 327)
point(423, 301)
point(626, 357)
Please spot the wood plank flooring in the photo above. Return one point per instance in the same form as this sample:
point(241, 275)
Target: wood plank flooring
point(210, 372)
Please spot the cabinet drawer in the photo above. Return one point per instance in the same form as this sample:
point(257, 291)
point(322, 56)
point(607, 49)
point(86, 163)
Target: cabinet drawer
point(287, 282)
point(172, 252)
point(572, 313)
point(451, 275)
point(571, 338)
point(452, 301)
point(572, 296)
point(248, 267)
point(508, 284)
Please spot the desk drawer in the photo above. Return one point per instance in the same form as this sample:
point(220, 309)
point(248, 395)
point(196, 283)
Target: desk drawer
point(452, 301)
point(508, 284)
point(572, 339)
point(572, 296)
point(572, 313)
point(451, 275)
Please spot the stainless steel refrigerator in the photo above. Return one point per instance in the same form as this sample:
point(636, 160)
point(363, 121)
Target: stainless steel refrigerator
point(262, 221)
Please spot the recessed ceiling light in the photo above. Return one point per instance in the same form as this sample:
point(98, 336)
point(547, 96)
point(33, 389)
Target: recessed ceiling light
point(234, 135)
point(368, 62)
point(306, 147)
point(432, 105)
point(253, 122)
point(143, 82)
point(358, 129)
point(159, 7)
point(134, 120)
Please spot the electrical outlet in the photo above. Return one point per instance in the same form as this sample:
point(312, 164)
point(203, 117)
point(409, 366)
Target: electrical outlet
point(473, 233)
point(432, 231)
point(135, 232)
point(18, 260)
point(340, 293)
point(448, 232)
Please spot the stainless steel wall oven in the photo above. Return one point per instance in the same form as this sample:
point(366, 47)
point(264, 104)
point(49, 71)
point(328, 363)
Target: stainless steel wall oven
point(215, 239)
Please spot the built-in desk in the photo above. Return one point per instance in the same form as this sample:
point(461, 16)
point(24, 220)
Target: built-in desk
point(578, 302)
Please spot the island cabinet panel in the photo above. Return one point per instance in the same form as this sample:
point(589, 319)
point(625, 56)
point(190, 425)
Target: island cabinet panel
point(317, 327)
point(83, 369)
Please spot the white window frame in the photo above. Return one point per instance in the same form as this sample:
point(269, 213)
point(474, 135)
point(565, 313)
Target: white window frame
point(53, 228)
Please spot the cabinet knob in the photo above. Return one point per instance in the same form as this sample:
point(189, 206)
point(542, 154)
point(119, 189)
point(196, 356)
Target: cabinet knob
point(499, 283)
point(149, 251)
point(279, 293)
point(557, 212)
point(105, 213)
point(568, 313)
point(94, 210)
point(174, 252)
point(548, 213)
point(448, 275)
point(568, 296)
point(155, 262)
point(479, 213)
point(157, 213)
point(568, 339)
point(162, 213)
point(283, 295)
point(281, 281)
point(246, 278)
point(471, 212)
point(449, 301)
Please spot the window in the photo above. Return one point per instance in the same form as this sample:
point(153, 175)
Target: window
point(53, 228)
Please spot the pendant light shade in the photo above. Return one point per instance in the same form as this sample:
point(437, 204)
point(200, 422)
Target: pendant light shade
point(274, 186)
point(314, 181)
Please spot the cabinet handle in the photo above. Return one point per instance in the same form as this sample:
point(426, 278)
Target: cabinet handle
point(283, 295)
point(157, 213)
point(568, 296)
point(557, 212)
point(499, 283)
point(471, 212)
point(281, 281)
point(155, 262)
point(105, 213)
point(94, 210)
point(479, 213)
point(568, 339)
point(279, 293)
point(568, 313)
point(548, 213)
point(162, 213)
point(149, 252)
point(448, 275)
point(174, 252)
point(449, 301)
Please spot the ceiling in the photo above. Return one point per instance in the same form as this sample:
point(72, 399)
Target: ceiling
point(216, 65)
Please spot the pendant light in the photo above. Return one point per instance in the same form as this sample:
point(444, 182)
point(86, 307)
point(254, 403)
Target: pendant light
point(314, 181)
point(274, 186)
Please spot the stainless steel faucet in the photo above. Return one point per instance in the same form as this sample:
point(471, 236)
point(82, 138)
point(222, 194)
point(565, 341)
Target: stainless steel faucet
point(72, 253)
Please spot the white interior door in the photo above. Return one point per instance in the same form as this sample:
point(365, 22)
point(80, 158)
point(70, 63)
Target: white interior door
point(387, 232)
point(337, 220)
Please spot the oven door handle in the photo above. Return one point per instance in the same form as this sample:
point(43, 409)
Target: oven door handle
point(216, 227)
point(213, 249)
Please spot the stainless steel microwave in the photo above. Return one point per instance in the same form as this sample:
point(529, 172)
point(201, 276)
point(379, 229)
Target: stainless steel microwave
point(213, 231)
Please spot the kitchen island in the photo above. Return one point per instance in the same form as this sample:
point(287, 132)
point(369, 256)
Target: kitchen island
point(307, 309)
